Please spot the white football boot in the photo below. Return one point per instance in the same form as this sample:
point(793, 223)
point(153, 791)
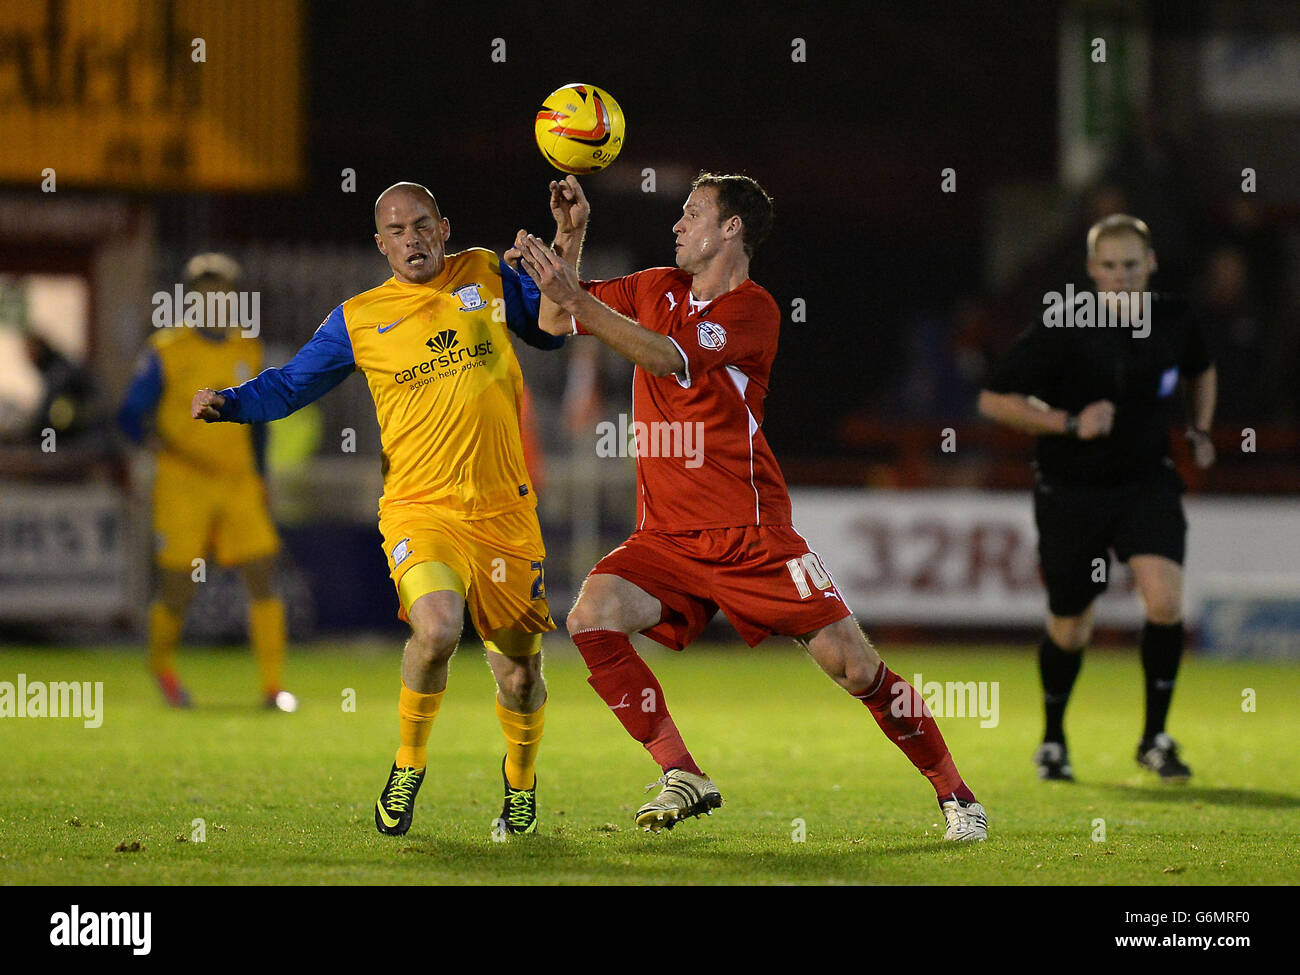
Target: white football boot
point(684, 794)
point(967, 821)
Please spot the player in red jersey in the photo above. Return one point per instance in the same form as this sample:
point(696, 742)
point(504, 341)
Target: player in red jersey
point(713, 525)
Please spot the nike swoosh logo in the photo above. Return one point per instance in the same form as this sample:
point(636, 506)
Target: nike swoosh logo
point(388, 821)
point(388, 328)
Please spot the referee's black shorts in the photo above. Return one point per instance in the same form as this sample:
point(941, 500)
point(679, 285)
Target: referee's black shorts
point(1078, 524)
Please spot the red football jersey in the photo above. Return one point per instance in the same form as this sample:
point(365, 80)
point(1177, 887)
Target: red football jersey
point(702, 459)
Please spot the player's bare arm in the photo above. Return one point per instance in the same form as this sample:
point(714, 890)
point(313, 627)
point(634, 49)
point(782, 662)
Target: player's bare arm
point(559, 283)
point(1031, 415)
point(206, 405)
point(1205, 394)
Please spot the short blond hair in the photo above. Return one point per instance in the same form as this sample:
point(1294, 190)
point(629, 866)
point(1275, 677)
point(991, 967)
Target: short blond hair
point(1113, 226)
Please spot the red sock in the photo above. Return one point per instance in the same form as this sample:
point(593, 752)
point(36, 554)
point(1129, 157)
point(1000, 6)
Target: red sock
point(621, 678)
point(902, 715)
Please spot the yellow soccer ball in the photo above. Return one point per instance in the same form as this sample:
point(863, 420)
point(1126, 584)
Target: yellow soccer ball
point(579, 129)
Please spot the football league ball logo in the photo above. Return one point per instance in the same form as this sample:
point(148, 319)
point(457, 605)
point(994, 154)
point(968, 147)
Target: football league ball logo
point(400, 551)
point(712, 336)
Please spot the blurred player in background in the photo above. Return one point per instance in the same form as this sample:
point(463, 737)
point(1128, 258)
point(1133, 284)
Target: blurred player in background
point(458, 515)
point(209, 496)
point(1101, 400)
point(68, 391)
point(713, 527)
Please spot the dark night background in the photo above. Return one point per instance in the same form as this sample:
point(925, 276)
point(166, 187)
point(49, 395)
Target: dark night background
point(850, 145)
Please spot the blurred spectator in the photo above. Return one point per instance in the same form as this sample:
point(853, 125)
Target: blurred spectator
point(1153, 172)
point(944, 358)
point(1240, 227)
point(65, 403)
point(1233, 329)
point(1238, 222)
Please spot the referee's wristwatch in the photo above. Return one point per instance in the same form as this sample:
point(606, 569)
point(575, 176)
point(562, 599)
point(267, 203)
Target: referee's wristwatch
point(1072, 425)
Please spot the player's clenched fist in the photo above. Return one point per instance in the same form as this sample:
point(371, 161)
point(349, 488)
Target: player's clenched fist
point(1096, 419)
point(206, 405)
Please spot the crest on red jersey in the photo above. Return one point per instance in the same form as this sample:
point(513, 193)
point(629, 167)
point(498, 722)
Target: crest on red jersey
point(712, 335)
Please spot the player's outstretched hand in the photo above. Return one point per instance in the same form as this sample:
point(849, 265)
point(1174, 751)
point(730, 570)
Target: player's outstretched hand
point(553, 276)
point(1096, 419)
point(569, 206)
point(206, 404)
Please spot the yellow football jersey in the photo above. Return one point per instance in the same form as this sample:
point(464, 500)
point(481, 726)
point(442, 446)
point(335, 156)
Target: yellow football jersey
point(446, 385)
point(190, 361)
point(443, 375)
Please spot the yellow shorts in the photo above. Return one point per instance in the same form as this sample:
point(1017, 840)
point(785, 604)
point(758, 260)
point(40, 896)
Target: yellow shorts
point(196, 513)
point(497, 562)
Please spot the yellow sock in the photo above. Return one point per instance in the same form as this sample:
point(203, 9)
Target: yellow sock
point(523, 737)
point(164, 634)
point(266, 633)
point(416, 712)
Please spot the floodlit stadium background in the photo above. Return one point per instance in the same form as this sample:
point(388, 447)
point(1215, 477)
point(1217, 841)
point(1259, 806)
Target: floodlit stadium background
point(898, 295)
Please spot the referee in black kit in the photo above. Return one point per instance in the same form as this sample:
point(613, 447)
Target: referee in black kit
point(1096, 381)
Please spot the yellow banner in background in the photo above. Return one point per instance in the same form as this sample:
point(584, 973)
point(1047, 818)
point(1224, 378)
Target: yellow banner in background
point(152, 94)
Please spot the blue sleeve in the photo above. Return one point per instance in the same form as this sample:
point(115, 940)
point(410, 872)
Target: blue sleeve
point(522, 301)
point(142, 397)
point(320, 365)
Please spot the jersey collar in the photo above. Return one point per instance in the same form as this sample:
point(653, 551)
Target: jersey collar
point(437, 284)
point(696, 306)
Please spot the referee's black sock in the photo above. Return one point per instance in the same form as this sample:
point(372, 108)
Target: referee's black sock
point(1058, 669)
point(1162, 648)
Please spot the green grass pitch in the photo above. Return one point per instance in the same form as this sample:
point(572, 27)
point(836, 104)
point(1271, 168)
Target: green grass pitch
point(289, 798)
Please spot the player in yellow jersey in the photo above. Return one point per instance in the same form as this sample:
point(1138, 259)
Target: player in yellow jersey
point(458, 514)
point(209, 497)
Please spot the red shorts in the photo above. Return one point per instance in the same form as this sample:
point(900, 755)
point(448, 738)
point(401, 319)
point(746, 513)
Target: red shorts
point(763, 577)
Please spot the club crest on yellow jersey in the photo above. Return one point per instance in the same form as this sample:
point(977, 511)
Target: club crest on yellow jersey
point(470, 298)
